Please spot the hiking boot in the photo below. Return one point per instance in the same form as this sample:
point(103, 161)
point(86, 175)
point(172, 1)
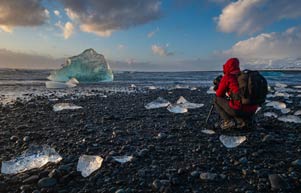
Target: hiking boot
point(227, 124)
point(244, 124)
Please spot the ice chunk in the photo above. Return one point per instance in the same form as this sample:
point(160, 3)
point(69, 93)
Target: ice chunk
point(158, 103)
point(232, 141)
point(276, 105)
point(270, 96)
point(257, 110)
point(270, 114)
point(208, 131)
point(53, 84)
point(182, 102)
point(282, 94)
point(89, 66)
point(122, 159)
point(280, 85)
point(210, 90)
point(65, 106)
point(152, 87)
point(298, 86)
point(177, 109)
point(290, 119)
point(34, 157)
point(72, 81)
point(297, 113)
point(87, 164)
point(285, 111)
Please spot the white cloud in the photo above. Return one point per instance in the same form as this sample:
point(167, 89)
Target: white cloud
point(249, 16)
point(67, 29)
point(268, 48)
point(106, 16)
point(21, 13)
point(152, 33)
point(161, 51)
point(57, 13)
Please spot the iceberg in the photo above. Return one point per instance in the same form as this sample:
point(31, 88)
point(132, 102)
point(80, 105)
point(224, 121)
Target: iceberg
point(182, 102)
point(158, 103)
point(89, 66)
point(65, 106)
point(87, 164)
point(33, 157)
point(232, 141)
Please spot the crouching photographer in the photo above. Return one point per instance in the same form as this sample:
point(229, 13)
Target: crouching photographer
point(234, 114)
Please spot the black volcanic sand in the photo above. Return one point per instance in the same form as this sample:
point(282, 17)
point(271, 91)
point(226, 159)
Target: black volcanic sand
point(169, 162)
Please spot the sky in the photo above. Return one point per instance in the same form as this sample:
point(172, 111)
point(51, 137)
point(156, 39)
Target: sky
point(151, 35)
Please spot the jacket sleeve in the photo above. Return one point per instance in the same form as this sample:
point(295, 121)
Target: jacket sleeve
point(222, 87)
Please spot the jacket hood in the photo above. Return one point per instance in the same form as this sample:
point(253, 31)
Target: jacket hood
point(231, 66)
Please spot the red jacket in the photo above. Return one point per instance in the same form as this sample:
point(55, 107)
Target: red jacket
point(229, 84)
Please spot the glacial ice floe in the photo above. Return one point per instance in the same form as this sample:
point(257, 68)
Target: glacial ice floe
point(280, 85)
point(210, 90)
point(69, 84)
point(89, 66)
point(285, 111)
point(33, 157)
point(182, 102)
point(87, 164)
point(232, 141)
point(270, 114)
point(290, 119)
point(276, 104)
point(65, 106)
point(177, 109)
point(123, 159)
point(208, 131)
point(158, 103)
point(297, 113)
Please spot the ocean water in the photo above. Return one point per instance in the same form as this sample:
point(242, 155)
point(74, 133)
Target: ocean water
point(27, 83)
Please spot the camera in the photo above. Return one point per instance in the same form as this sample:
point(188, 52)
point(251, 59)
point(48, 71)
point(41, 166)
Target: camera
point(216, 82)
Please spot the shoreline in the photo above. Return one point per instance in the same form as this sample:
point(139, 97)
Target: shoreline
point(170, 151)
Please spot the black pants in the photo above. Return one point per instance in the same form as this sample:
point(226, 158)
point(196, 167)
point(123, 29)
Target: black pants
point(227, 113)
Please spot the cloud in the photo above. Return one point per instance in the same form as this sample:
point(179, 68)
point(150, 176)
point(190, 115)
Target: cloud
point(245, 16)
point(106, 16)
point(67, 29)
point(21, 13)
point(161, 51)
point(268, 48)
point(57, 13)
point(11, 59)
point(152, 33)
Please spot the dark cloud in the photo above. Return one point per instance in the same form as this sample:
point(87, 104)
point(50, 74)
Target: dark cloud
point(105, 16)
point(22, 13)
point(10, 59)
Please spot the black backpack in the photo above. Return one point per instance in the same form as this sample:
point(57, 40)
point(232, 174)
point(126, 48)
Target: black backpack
point(253, 87)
